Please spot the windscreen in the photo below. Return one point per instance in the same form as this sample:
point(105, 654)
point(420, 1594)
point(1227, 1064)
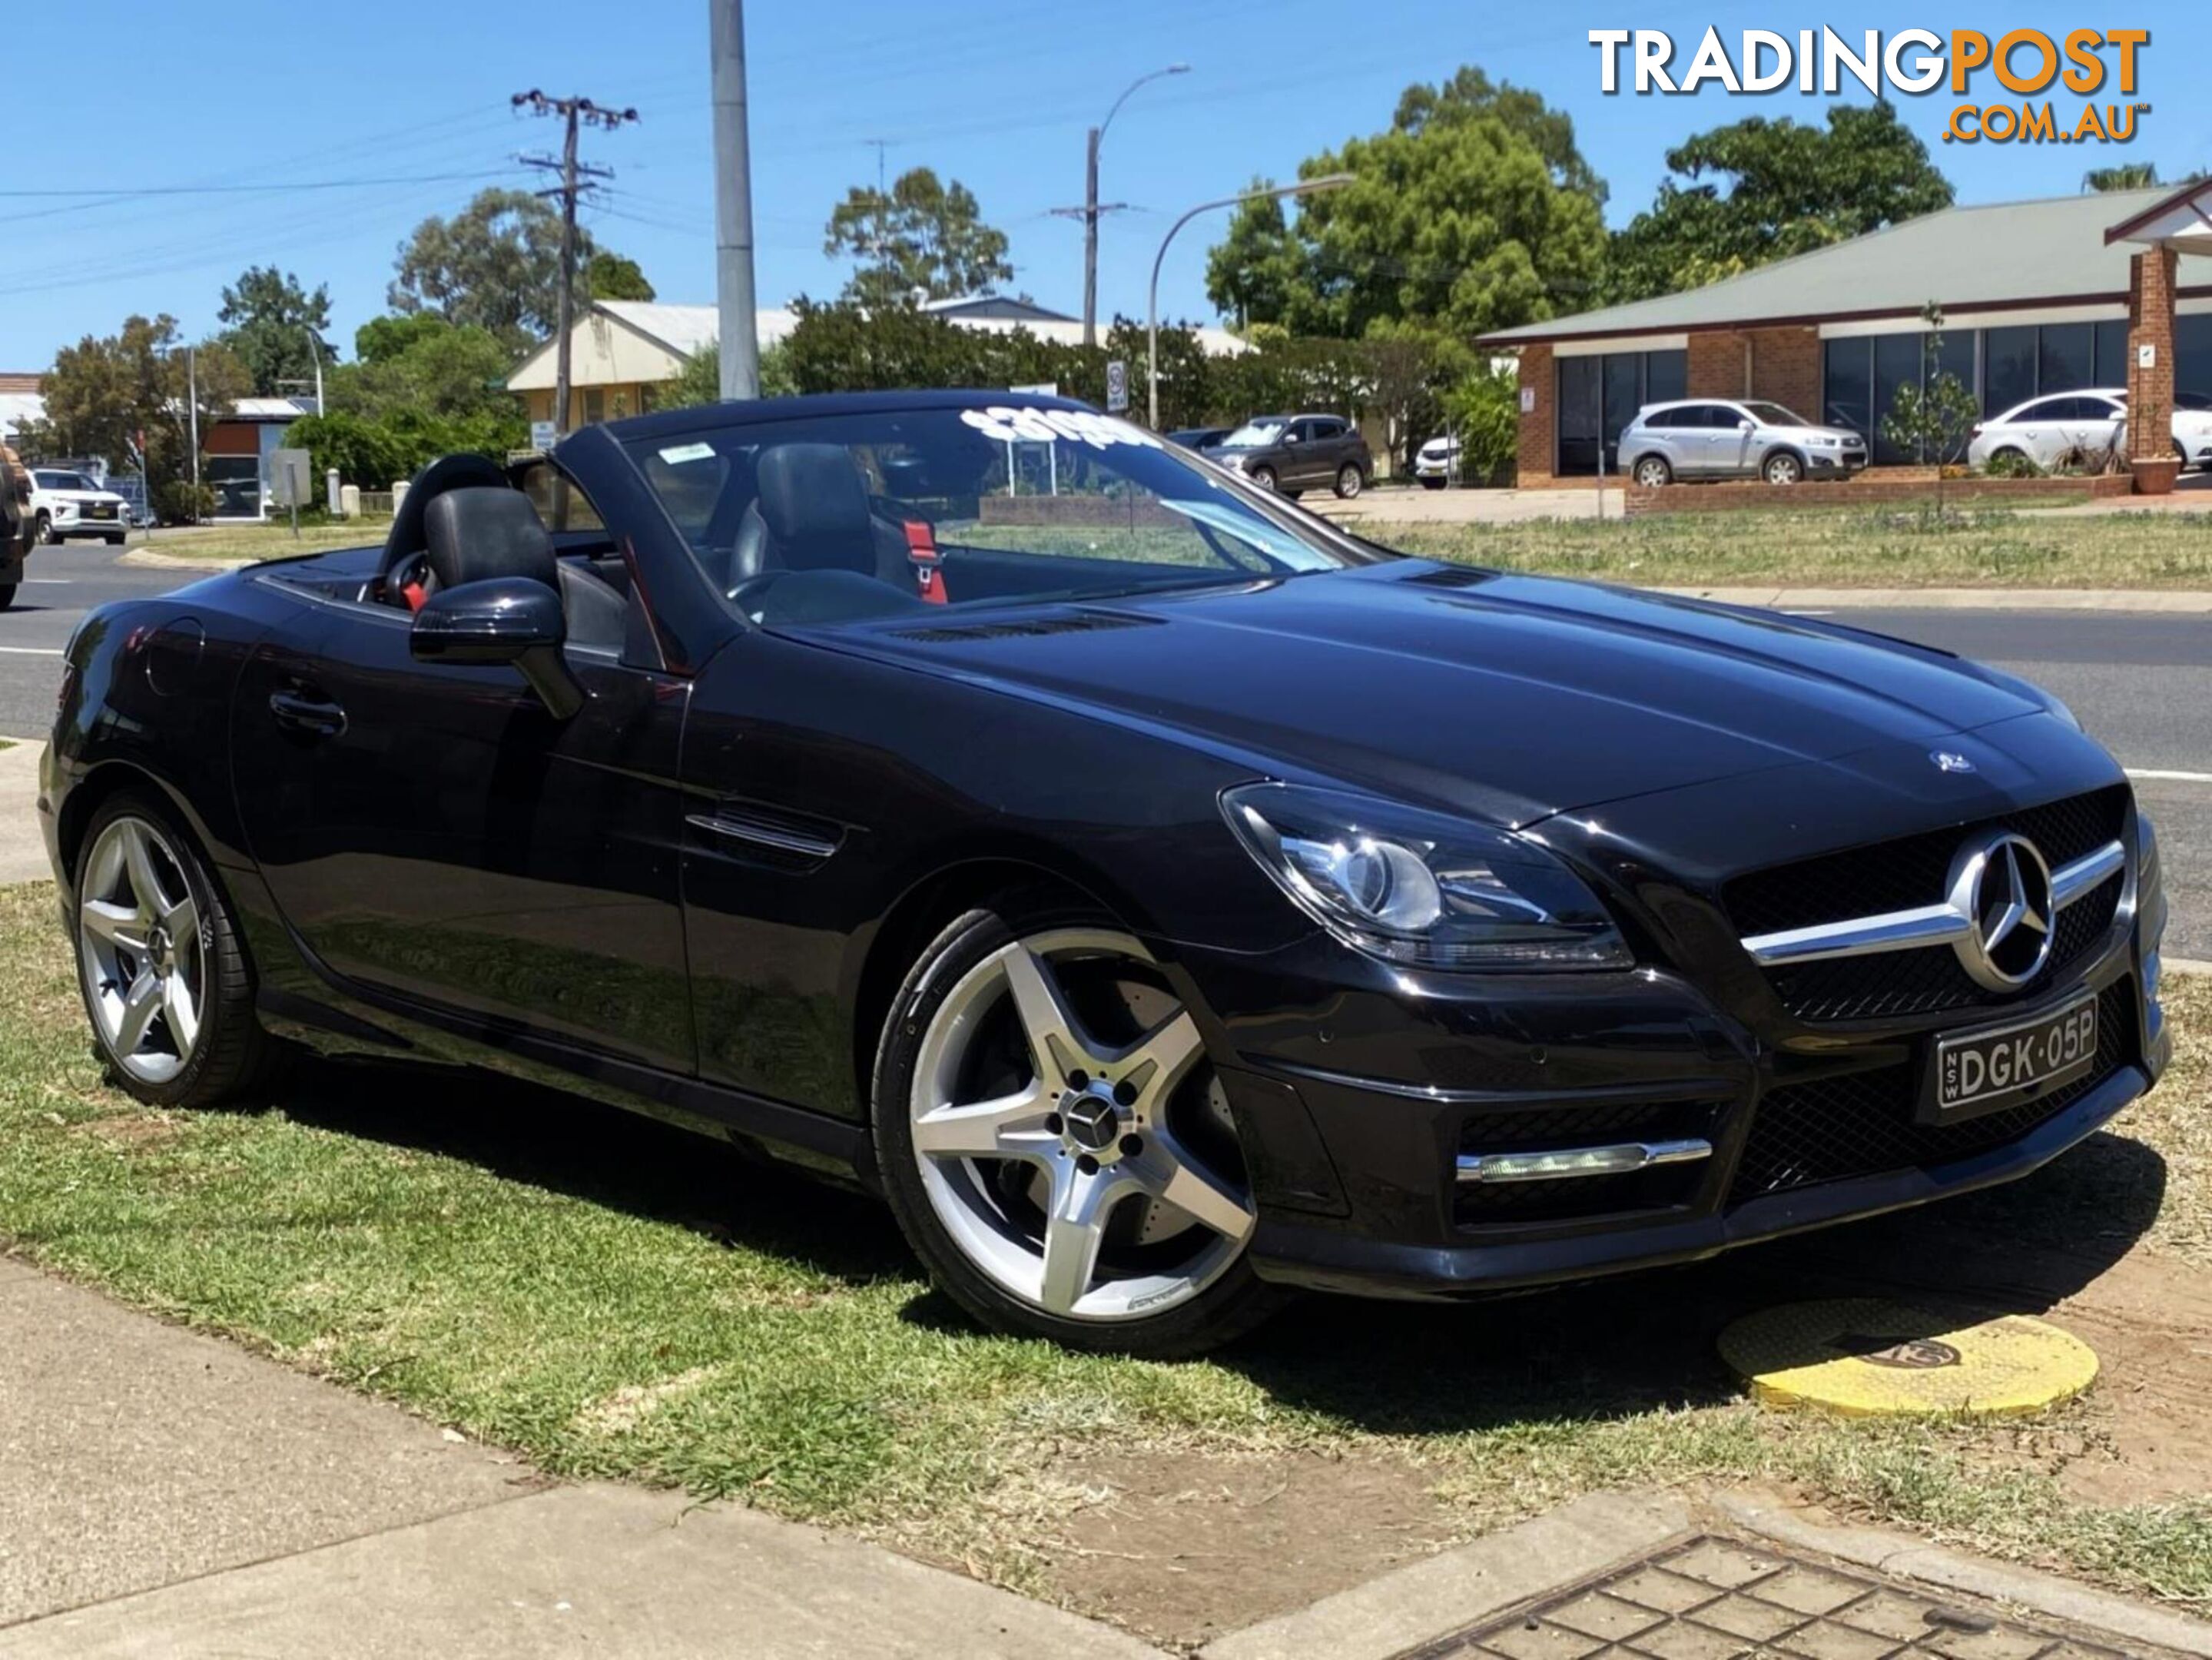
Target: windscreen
point(856, 514)
point(1255, 435)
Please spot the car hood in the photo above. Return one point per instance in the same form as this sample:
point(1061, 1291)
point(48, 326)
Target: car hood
point(1513, 697)
point(1839, 434)
point(83, 498)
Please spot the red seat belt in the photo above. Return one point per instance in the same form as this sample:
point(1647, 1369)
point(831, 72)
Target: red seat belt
point(929, 564)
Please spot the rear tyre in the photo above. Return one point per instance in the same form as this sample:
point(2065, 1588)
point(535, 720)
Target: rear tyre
point(1349, 481)
point(1783, 468)
point(165, 977)
point(1653, 472)
point(1053, 1140)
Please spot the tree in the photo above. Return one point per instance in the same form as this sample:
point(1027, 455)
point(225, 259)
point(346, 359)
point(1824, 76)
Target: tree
point(1789, 188)
point(1471, 211)
point(1932, 420)
point(422, 363)
point(1410, 369)
point(1469, 95)
point(276, 328)
point(921, 236)
point(700, 381)
point(1250, 272)
point(495, 265)
point(613, 277)
point(106, 392)
point(2132, 175)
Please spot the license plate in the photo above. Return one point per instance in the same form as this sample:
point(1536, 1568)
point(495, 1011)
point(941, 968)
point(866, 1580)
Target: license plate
point(100, 510)
point(1996, 1067)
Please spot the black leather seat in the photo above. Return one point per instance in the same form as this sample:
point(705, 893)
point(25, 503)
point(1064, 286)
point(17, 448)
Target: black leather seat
point(811, 514)
point(473, 533)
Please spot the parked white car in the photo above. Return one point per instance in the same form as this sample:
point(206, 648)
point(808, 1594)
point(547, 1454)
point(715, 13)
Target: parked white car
point(2088, 425)
point(1436, 462)
point(66, 504)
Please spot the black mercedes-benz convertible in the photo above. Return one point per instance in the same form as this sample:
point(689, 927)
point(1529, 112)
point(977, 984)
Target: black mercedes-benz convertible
point(1160, 896)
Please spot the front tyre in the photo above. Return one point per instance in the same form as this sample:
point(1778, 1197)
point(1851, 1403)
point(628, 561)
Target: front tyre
point(1350, 481)
point(1053, 1143)
point(1262, 477)
point(1783, 468)
point(7, 595)
point(46, 535)
point(164, 974)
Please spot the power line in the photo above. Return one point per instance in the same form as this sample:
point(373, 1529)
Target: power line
point(575, 177)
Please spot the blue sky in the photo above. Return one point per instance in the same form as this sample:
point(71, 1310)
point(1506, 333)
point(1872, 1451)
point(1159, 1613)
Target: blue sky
point(254, 93)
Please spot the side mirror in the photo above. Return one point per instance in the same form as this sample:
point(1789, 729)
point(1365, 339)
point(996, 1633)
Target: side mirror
point(1291, 438)
point(503, 620)
point(1747, 425)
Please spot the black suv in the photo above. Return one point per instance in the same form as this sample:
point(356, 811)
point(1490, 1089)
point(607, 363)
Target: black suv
point(1294, 454)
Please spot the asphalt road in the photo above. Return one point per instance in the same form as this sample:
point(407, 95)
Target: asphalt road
point(2142, 683)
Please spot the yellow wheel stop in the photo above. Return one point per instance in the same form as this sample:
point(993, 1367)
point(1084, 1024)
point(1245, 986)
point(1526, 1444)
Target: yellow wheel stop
point(1864, 1357)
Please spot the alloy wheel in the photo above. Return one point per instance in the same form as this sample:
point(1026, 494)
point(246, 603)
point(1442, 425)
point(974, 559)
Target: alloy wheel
point(145, 969)
point(1348, 482)
point(1783, 470)
point(1104, 1184)
point(1651, 472)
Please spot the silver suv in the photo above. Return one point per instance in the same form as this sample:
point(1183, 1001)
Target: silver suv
point(1734, 438)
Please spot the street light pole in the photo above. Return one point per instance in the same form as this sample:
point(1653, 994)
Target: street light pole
point(1090, 208)
point(1304, 187)
point(735, 306)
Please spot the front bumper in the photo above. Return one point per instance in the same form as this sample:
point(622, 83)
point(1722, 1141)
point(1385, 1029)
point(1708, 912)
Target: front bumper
point(1835, 461)
point(1357, 1089)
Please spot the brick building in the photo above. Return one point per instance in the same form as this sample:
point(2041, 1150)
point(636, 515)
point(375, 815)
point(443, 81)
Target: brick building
point(2037, 297)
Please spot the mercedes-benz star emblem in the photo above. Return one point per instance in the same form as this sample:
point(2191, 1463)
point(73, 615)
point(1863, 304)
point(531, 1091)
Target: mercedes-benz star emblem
point(1950, 761)
point(2001, 884)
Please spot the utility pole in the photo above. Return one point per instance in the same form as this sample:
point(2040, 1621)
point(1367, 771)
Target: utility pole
point(575, 180)
point(1089, 212)
point(733, 203)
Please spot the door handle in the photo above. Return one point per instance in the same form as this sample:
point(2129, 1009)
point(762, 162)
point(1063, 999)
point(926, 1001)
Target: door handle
point(303, 712)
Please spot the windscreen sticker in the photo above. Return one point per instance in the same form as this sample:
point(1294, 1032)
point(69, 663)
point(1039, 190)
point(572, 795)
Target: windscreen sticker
point(1008, 425)
point(677, 454)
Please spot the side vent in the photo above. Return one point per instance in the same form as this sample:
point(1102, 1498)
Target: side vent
point(769, 836)
point(1452, 576)
point(1026, 628)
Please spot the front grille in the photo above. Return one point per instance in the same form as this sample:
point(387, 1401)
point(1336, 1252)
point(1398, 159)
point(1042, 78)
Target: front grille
point(1489, 1204)
point(1931, 979)
point(1910, 871)
point(1831, 1130)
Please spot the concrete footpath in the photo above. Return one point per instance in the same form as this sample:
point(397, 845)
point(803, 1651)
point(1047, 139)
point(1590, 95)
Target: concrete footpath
point(164, 1493)
point(22, 850)
point(167, 1493)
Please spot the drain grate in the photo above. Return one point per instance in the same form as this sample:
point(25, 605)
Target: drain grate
point(1715, 1598)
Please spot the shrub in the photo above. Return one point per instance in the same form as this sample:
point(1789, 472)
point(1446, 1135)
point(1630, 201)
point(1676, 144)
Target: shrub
point(2011, 464)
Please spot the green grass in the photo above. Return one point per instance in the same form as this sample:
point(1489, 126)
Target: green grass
point(612, 1299)
point(243, 544)
point(1837, 549)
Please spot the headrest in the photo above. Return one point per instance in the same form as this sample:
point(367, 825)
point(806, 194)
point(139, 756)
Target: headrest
point(815, 504)
point(479, 532)
point(405, 539)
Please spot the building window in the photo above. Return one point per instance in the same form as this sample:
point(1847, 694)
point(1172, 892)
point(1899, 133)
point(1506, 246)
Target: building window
point(1599, 396)
point(2192, 354)
point(595, 405)
point(1847, 396)
point(2063, 361)
point(2112, 349)
point(2008, 367)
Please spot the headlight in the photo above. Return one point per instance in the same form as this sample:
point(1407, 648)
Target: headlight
point(1827, 443)
point(1421, 888)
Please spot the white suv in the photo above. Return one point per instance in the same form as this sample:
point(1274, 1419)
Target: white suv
point(2088, 426)
point(66, 503)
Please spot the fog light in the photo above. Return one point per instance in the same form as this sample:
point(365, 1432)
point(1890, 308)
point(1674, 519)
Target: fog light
point(1542, 1166)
